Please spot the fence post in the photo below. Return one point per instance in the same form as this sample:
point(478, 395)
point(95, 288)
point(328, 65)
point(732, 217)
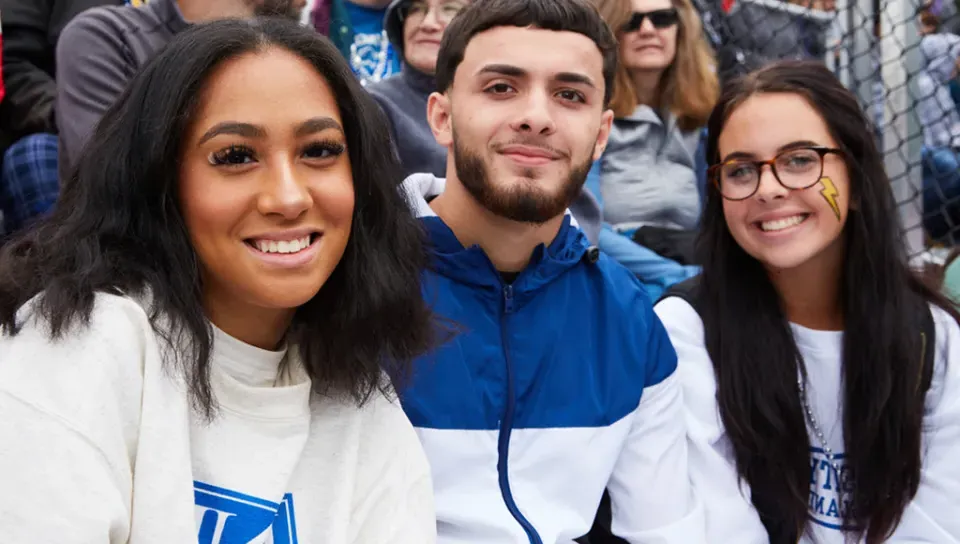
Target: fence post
point(861, 72)
point(838, 57)
point(902, 139)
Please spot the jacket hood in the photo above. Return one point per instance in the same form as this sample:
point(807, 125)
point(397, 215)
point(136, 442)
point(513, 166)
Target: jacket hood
point(393, 26)
point(471, 265)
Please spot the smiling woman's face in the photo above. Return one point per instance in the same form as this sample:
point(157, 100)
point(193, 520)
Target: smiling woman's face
point(266, 186)
point(648, 48)
point(780, 227)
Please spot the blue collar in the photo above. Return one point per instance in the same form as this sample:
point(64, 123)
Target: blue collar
point(472, 266)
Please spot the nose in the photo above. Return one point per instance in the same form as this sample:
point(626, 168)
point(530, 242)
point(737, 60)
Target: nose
point(431, 21)
point(284, 193)
point(770, 188)
point(646, 27)
point(536, 117)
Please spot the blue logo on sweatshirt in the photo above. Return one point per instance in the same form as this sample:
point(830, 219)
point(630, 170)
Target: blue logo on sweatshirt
point(826, 482)
point(228, 517)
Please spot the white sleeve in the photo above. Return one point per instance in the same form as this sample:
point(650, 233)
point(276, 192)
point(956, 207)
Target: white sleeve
point(651, 500)
point(730, 515)
point(53, 482)
point(65, 469)
point(934, 514)
point(395, 495)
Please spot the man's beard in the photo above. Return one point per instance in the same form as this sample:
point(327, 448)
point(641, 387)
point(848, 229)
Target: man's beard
point(525, 203)
point(276, 8)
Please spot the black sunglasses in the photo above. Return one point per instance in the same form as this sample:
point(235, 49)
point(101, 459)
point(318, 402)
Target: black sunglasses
point(661, 18)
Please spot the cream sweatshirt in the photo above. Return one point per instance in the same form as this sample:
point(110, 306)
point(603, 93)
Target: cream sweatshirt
point(99, 444)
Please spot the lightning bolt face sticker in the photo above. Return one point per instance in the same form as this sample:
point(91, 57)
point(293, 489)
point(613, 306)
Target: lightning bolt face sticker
point(830, 194)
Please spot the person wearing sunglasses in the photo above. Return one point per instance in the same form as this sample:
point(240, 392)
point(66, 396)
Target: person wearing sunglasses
point(647, 179)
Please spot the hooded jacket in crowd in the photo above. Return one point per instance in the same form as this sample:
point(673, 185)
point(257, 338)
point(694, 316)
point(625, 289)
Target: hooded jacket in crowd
point(560, 384)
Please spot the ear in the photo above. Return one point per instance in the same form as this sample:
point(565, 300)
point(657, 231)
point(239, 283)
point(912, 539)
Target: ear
point(606, 122)
point(439, 117)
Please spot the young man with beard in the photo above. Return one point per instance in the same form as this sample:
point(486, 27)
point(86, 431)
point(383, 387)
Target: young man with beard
point(102, 48)
point(415, 28)
point(561, 382)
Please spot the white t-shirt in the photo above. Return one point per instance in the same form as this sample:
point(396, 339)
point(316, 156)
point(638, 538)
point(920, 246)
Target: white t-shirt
point(934, 514)
point(99, 444)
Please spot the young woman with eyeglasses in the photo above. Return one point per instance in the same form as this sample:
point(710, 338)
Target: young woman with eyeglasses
point(648, 176)
point(820, 374)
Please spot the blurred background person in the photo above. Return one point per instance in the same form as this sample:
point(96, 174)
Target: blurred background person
point(102, 49)
point(415, 28)
point(940, 124)
point(356, 27)
point(650, 180)
point(28, 129)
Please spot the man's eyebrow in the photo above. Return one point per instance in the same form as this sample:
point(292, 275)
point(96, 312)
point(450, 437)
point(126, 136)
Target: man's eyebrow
point(503, 70)
point(573, 77)
point(509, 70)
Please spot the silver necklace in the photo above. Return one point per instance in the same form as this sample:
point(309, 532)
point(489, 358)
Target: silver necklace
point(812, 419)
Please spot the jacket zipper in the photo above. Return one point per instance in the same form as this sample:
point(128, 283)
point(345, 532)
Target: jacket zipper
point(506, 426)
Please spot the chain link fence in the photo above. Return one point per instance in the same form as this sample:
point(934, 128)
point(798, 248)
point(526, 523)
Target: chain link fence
point(899, 57)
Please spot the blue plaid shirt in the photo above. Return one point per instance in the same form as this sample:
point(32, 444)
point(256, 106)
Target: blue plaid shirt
point(29, 180)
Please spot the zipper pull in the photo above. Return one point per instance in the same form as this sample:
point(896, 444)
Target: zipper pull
point(508, 298)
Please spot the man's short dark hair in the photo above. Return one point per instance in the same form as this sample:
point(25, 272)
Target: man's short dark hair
point(579, 16)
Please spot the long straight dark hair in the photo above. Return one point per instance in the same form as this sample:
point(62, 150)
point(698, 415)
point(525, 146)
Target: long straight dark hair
point(118, 227)
point(756, 359)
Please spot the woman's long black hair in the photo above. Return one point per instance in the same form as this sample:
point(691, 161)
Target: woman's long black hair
point(118, 228)
point(756, 359)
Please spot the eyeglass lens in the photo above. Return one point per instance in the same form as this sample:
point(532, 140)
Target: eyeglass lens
point(446, 11)
point(795, 169)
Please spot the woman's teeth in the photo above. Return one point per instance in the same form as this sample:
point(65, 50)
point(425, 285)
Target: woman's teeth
point(288, 246)
point(780, 224)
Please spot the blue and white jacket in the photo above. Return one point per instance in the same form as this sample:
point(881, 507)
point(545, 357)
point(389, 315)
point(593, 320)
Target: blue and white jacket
point(558, 386)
